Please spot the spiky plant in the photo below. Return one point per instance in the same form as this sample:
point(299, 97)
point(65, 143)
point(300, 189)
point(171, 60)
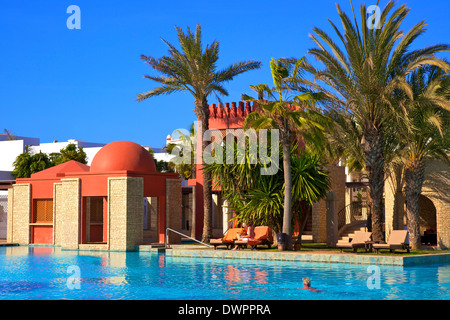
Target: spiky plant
point(292, 115)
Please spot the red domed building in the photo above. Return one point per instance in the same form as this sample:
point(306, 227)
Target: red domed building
point(97, 207)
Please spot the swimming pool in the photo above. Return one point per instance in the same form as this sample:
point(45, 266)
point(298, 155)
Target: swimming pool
point(50, 273)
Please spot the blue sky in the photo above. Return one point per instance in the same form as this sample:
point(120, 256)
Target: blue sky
point(60, 84)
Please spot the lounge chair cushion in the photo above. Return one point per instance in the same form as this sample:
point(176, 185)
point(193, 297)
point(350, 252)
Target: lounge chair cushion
point(229, 236)
point(397, 240)
point(398, 237)
point(344, 245)
point(380, 246)
point(263, 235)
point(359, 241)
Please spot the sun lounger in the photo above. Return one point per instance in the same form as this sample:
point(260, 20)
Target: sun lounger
point(228, 238)
point(263, 236)
point(359, 241)
point(396, 241)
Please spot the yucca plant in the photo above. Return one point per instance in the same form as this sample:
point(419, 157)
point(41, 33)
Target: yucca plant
point(259, 199)
point(359, 78)
point(194, 69)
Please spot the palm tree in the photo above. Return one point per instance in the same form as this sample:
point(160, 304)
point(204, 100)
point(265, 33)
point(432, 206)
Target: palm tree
point(360, 79)
point(194, 69)
point(287, 114)
point(426, 134)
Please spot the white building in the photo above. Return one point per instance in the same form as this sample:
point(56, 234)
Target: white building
point(90, 148)
point(10, 149)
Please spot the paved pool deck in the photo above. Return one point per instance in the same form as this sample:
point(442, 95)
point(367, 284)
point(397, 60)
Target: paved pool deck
point(298, 256)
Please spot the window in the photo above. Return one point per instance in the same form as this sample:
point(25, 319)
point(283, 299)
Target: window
point(43, 211)
point(96, 213)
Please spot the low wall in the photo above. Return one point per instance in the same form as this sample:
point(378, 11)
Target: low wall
point(413, 260)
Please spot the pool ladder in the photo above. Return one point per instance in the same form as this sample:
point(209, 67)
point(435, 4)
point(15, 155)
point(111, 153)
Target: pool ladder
point(166, 244)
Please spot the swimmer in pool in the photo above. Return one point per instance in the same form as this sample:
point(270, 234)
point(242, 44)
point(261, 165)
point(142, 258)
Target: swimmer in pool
point(307, 285)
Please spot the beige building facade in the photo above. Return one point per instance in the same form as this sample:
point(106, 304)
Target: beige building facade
point(434, 203)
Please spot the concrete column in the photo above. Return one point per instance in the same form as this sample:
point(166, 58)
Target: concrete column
point(19, 213)
point(227, 215)
point(125, 213)
point(58, 213)
point(70, 213)
point(9, 218)
point(332, 223)
point(173, 209)
point(316, 216)
point(194, 213)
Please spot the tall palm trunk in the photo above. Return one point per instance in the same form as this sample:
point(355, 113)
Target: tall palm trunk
point(414, 177)
point(202, 113)
point(287, 215)
point(374, 154)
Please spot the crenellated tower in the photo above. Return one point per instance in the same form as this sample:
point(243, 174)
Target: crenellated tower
point(224, 116)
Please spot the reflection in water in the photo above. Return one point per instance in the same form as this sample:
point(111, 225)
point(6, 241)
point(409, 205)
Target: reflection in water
point(238, 275)
point(43, 251)
point(444, 277)
point(12, 287)
point(161, 260)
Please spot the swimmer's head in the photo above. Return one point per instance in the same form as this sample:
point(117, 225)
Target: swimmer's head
point(306, 282)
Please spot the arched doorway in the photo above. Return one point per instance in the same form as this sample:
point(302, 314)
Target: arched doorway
point(428, 224)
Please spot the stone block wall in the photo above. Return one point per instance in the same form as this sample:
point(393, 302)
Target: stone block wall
point(319, 222)
point(70, 206)
point(19, 214)
point(58, 213)
point(135, 212)
point(125, 208)
point(394, 203)
point(319, 211)
point(9, 217)
point(436, 188)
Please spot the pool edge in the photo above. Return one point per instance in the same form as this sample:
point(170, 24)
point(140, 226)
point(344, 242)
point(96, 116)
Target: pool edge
point(315, 257)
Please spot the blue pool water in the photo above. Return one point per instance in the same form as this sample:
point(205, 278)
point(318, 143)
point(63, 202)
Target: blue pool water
point(47, 273)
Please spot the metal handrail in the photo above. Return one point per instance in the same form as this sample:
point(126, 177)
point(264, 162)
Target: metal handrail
point(351, 209)
point(182, 234)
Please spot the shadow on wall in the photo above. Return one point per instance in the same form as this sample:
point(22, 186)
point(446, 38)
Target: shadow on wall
point(437, 181)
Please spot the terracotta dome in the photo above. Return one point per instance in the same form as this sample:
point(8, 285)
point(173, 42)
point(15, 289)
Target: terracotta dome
point(123, 155)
